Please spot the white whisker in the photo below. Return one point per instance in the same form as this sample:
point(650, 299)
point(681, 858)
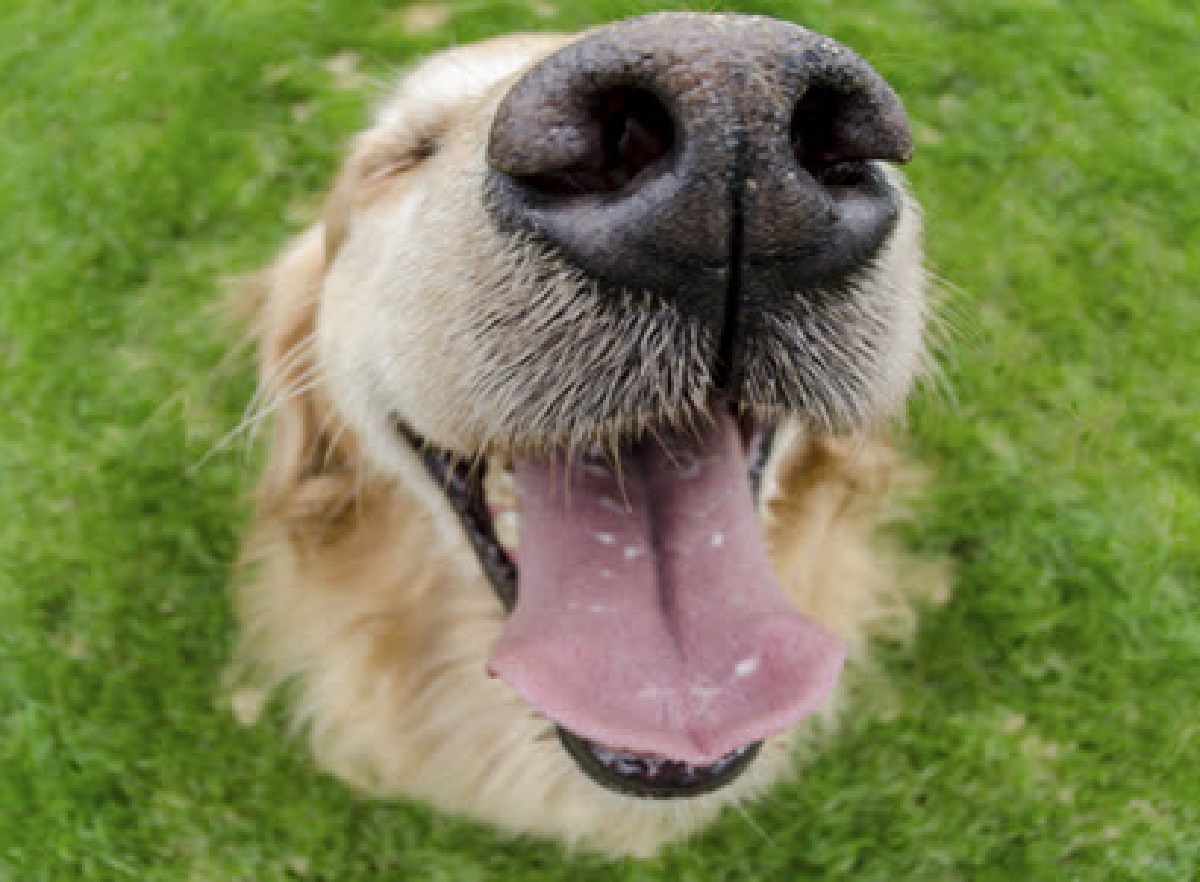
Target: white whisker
point(309, 380)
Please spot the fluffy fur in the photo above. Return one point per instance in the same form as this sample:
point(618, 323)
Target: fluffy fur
point(357, 585)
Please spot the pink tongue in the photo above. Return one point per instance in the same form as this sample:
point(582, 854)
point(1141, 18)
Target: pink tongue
point(648, 617)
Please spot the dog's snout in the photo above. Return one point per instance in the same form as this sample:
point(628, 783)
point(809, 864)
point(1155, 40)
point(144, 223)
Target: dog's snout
point(673, 151)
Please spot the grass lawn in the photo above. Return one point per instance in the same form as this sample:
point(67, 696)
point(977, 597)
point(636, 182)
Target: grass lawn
point(1045, 725)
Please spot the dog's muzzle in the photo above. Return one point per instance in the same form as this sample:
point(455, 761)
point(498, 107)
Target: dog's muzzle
point(729, 166)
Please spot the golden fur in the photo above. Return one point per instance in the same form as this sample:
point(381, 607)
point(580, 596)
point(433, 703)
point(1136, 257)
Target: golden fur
point(357, 586)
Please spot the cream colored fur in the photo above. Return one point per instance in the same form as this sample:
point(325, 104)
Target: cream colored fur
point(358, 588)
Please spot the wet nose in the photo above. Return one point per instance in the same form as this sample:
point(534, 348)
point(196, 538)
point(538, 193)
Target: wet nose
point(673, 151)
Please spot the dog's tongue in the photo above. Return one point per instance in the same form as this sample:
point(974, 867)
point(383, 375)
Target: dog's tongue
point(648, 617)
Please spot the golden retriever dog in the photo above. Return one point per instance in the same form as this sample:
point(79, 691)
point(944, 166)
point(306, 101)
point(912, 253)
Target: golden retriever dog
point(580, 388)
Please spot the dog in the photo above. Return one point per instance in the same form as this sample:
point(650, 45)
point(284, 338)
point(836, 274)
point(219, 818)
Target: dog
point(580, 391)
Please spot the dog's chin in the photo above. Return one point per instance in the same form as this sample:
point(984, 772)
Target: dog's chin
point(482, 492)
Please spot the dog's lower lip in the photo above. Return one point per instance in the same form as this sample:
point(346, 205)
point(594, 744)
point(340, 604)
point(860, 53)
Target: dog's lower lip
point(654, 777)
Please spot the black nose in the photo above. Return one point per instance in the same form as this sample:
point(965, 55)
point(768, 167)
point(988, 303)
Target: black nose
point(669, 152)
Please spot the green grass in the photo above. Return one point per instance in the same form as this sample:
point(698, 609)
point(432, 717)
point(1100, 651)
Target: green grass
point(1043, 726)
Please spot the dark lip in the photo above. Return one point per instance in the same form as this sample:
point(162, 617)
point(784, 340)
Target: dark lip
point(461, 481)
point(654, 777)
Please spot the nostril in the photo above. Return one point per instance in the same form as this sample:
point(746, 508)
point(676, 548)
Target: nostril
point(627, 131)
point(817, 140)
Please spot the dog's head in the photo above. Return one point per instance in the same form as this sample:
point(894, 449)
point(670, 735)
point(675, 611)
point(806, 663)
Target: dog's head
point(593, 287)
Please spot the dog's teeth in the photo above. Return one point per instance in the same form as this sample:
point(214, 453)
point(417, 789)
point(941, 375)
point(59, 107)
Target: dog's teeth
point(505, 523)
point(500, 487)
point(626, 766)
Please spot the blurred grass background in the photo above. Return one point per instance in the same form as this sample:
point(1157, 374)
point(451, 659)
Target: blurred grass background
point(1044, 725)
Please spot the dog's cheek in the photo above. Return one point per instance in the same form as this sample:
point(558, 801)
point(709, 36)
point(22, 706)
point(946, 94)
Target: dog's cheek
point(392, 331)
point(360, 336)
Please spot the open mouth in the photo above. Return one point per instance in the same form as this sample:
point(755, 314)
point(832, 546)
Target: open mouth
point(644, 619)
